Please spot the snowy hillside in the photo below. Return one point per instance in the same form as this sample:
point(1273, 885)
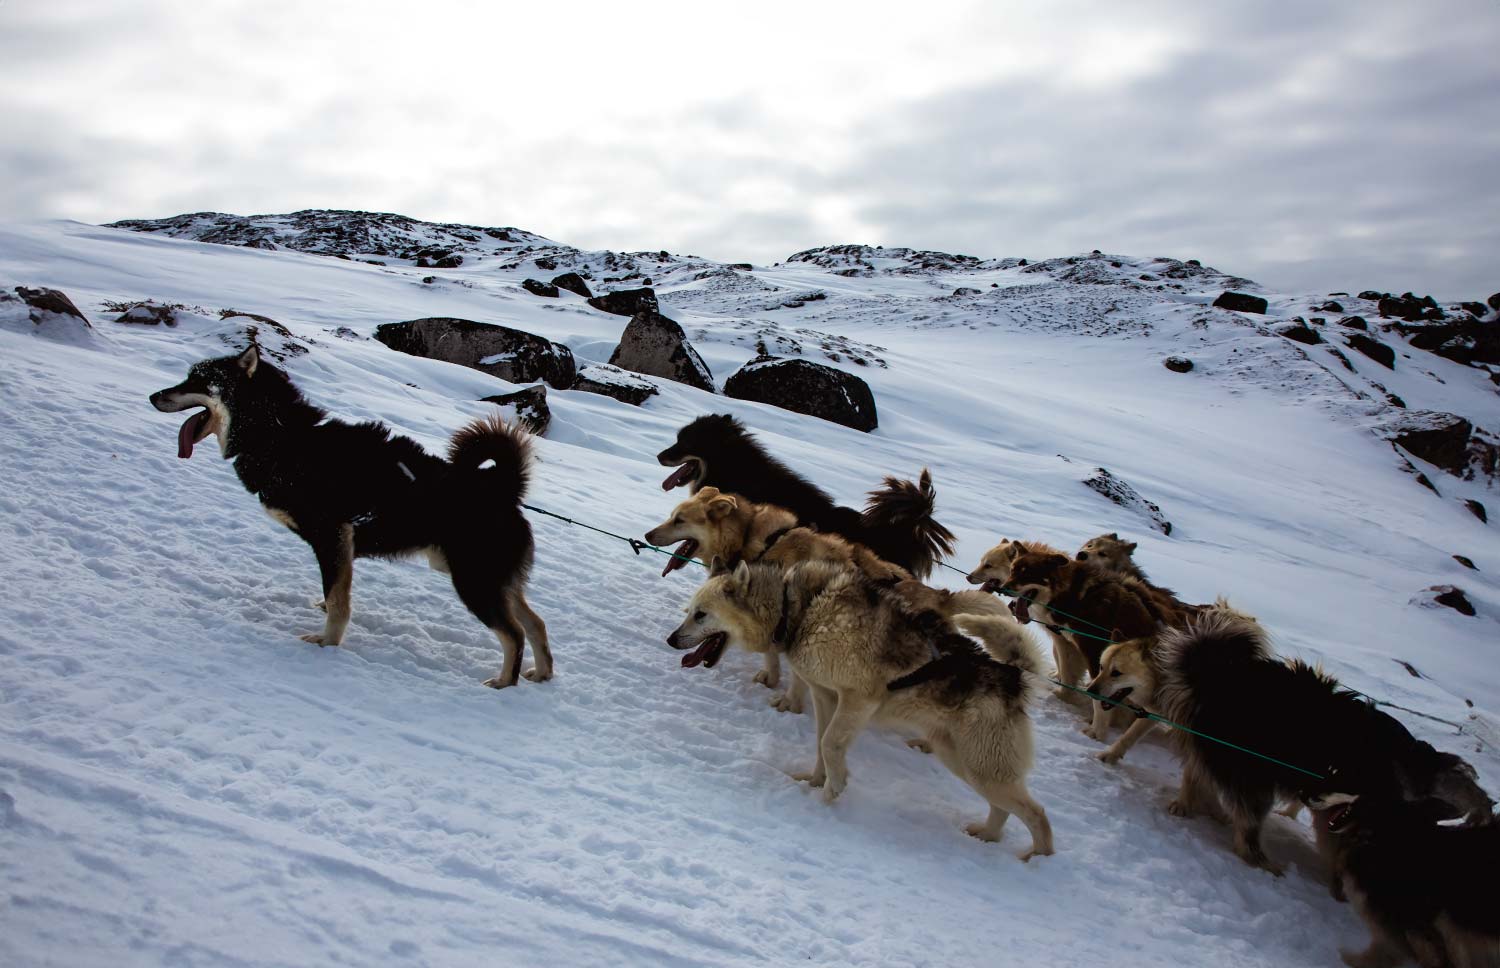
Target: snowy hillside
point(183, 781)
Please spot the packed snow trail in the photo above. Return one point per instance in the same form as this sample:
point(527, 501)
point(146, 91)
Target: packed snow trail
point(183, 782)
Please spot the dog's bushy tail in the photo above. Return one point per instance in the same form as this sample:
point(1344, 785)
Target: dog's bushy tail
point(492, 439)
point(1003, 639)
point(1216, 647)
point(903, 510)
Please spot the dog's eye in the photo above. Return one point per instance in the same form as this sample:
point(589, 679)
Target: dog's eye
point(698, 615)
point(1114, 672)
point(677, 519)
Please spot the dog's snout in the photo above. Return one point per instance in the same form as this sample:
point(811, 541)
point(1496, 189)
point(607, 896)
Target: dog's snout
point(1083, 556)
point(159, 401)
point(973, 578)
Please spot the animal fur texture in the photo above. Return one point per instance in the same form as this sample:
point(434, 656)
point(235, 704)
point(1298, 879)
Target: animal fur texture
point(359, 490)
point(1218, 676)
point(868, 657)
point(897, 524)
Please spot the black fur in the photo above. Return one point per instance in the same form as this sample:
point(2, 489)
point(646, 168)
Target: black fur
point(897, 523)
point(1409, 875)
point(324, 474)
point(1223, 681)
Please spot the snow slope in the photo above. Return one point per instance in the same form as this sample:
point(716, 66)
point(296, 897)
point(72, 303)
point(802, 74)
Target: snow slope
point(183, 782)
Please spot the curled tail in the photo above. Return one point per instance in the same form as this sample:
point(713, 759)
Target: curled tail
point(1007, 653)
point(1003, 639)
point(901, 512)
point(492, 439)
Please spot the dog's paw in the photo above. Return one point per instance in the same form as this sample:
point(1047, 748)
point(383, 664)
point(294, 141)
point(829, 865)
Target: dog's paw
point(981, 831)
point(1033, 852)
point(831, 791)
point(1110, 756)
point(1090, 733)
point(920, 745)
point(535, 675)
point(812, 779)
point(317, 638)
point(766, 679)
point(321, 604)
point(786, 704)
point(1179, 809)
point(498, 682)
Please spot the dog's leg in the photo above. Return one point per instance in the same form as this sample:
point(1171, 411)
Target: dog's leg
point(1248, 815)
point(1196, 794)
point(512, 642)
point(1098, 727)
point(335, 553)
point(849, 717)
point(770, 674)
point(823, 703)
point(795, 696)
point(1070, 667)
point(1127, 739)
point(536, 635)
point(1381, 953)
point(1008, 798)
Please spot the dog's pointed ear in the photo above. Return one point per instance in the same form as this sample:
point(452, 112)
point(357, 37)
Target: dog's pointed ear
point(1117, 635)
point(1130, 547)
point(1113, 536)
point(249, 360)
point(1053, 562)
point(742, 575)
point(707, 492)
point(721, 505)
point(717, 567)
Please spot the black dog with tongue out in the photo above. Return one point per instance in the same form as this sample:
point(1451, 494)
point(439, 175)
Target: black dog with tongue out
point(897, 523)
point(359, 490)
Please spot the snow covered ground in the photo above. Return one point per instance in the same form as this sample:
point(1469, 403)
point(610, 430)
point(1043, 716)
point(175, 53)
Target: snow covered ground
point(184, 782)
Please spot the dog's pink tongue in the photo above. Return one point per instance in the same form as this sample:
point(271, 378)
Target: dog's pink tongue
point(678, 477)
point(1019, 609)
point(191, 433)
point(683, 553)
point(695, 658)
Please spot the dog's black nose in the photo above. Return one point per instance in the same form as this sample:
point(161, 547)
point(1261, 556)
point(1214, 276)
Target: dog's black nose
point(1083, 556)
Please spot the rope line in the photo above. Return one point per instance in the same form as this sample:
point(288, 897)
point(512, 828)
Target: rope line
point(638, 546)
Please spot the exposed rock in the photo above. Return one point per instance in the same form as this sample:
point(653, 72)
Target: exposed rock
point(1494, 302)
point(1478, 510)
point(1178, 364)
point(1468, 341)
point(1374, 295)
point(1466, 561)
point(529, 407)
point(611, 381)
point(1331, 306)
point(1446, 440)
point(627, 302)
point(48, 313)
point(1354, 322)
point(1452, 597)
point(545, 263)
point(802, 386)
point(1241, 302)
point(509, 354)
point(742, 266)
point(1372, 348)
point(657, 346)
point(538, 288)
point(1106, 483)
point(1342, 358)
point(1300, 333)
point(574, 283)
point(965, 291)
point(1476, 309)
point(149, 314)
point(1410, 308)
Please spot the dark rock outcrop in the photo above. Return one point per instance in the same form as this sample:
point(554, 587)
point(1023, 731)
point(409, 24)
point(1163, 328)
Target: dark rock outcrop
point(574, 283)
point(1178, 364)
point(611, 381)
point(1300, 333)
point(1446, 440)
point(48, 313)
point(1478, 510)
point(538, 288)
point(1466, 561)
point(50, 302)
point(1241, 302)
point(510, 354)
point(1331, 306)
point(1373, 348)
point(1354, 322)
point(1410, 307)
point(656, 346)
point(627, 302)
point(802, 386)
point(1452, 597)
point(148, 314)
point(530, 407)
point(1106, 483)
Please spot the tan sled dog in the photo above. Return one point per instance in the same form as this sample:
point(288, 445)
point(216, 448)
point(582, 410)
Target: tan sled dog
point(713, 524)
point(869, 657)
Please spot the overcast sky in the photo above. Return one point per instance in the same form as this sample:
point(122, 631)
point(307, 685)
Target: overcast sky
point(1317, 145)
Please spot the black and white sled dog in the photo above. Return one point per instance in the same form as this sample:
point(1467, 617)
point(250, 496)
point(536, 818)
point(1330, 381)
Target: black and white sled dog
point(359, 490)
point(897, 524)
point(1218, 676)
point(1426, 890)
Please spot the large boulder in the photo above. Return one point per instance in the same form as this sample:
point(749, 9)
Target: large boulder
point(1241, 302)
point(45, 312)
point(538, 288)
point(574, 283)
point(1409, 307)
point(611, 381)
point(1373, 348)
point(806, 387)
point(627, 302)
point(510, 354)
point(1104, 481)
point(527, 407)
point(1445, 440)
point(657, 346)
point(1300, 332)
